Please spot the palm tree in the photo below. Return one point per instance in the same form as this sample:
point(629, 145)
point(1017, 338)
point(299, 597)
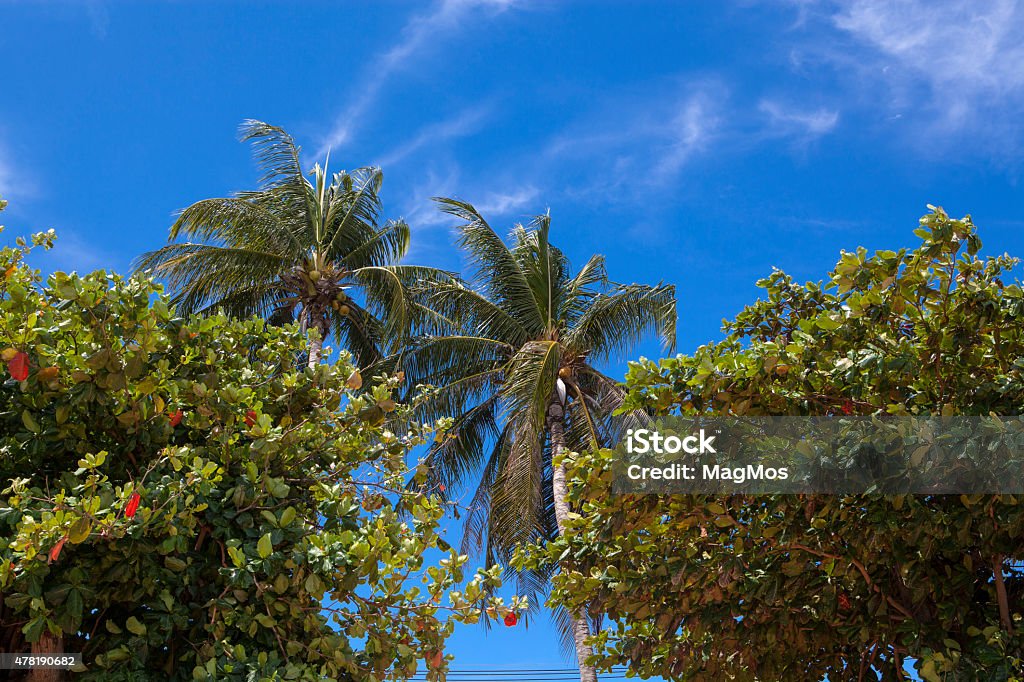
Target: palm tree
point(519, 377)
point(296, 248)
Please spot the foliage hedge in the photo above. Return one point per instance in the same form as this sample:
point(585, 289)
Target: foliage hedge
point(804, 587)
point(179, 502)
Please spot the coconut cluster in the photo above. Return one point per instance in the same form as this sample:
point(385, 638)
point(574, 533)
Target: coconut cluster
point(319, 289)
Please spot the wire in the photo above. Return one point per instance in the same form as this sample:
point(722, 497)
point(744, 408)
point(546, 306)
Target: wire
point(525, 679)
point(521, 675)
point(516, 671)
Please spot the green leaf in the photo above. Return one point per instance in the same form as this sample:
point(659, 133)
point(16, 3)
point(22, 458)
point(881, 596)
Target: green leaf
point(34, 628)
point(80, 531)
point(265, 547)
point(314, 586)
point(29, 421)
point(135, 626)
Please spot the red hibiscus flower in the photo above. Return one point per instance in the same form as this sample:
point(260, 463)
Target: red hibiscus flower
point(132, 506)
point(18, 366)
point(55, 552)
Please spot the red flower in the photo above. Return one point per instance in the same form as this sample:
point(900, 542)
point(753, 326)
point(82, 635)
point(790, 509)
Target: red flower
point(55, 552)
point(132, 506)
point(511, 619)
point(847, 407)
point(18, 366)
point(175, 417)
point(250, 417)
point(844, 602)
point(441, 487)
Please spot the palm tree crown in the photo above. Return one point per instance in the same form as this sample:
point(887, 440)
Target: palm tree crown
point(519, 375)
point(296, 248)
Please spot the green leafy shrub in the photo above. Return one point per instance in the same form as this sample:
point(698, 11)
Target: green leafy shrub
point(800, 587)
point(180, 503)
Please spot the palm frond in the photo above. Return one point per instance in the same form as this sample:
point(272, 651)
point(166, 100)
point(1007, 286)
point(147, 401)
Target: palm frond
point(200, 275)
point(439, 360)
point(544, 267)
point(386, 246)
point(496, 273)
point(234, 222)
point(278, 158)
point(275, 153)
point(351, 216)
point(359, 332)
point(459, 453)
point(617, 321)
point(474, 533)
point(467, 309)
point(531, 382)
point(517, 497)
point(580, 291)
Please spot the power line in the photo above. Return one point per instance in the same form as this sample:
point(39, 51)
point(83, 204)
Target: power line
point(515, 671)
point(521, 675)
point(524, 679)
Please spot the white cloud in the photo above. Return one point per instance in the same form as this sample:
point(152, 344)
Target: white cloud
point(6, 177)
point(421, 211)
point(786, 120)
point(967, 56)
point(687, 133)
point(504, 204)
point(466, 122)
point(500, 208)
point(642, 141)
point(14, 184)
point(421, 32)
point(75, 252)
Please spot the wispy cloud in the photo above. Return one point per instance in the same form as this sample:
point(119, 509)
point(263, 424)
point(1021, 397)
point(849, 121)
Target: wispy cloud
point(421, 211)
point(646, 142)
point(803, 124)
point(99, 18)
point(962, 63)
point(6, 176)
point(74, 252)
point(466, 122)
point(500, 207)
point(420, 33)
point(14, 181)
point(506, 204)
point(689, 132)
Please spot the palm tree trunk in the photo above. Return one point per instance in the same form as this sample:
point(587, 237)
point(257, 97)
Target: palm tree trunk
point(317, 321)
point(580, 629)
point(47, 646)
point(316, 349)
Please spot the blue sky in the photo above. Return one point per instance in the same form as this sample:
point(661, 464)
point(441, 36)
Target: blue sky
point(694, 142)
